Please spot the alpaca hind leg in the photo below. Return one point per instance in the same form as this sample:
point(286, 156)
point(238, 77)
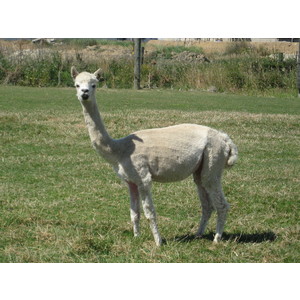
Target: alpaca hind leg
point(149, 211)
point(134, 207)
point(207, 209)
point(221, 205)
point(210, 178)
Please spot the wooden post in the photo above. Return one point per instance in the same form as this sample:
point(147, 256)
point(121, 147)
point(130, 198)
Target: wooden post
point(298, 70)
point(137, 63)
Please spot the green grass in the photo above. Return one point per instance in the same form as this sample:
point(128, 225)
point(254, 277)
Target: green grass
point(60, 202)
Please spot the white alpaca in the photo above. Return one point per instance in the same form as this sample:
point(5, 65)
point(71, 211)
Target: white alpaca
point(164, 155)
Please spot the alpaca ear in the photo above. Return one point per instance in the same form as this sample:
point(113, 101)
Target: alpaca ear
point(98, 73)
point(74, 72)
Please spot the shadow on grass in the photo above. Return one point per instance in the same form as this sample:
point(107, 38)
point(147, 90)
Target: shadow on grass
point(260, 237)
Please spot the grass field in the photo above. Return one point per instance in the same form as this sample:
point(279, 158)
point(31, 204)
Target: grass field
point(60, 202)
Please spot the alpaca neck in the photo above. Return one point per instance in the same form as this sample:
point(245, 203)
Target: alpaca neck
point(100, 138)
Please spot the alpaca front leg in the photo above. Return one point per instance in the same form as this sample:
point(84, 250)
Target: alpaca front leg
point(150, 214)
point(134, 208)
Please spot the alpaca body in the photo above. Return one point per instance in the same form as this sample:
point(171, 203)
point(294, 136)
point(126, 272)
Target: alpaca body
point(164, 155)
point(167, 154)
point(171, 153)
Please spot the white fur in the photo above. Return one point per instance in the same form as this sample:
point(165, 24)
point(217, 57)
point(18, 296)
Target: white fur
point(164, 154)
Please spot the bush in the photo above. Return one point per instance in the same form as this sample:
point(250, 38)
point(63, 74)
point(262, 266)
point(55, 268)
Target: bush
point(167, 52)
point(238, 48)
point(119, 74)
point(242, 73)
point(3, 67)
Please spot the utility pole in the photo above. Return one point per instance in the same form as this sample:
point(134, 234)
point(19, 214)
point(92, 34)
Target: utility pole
point(137, 63)
point(298, 70)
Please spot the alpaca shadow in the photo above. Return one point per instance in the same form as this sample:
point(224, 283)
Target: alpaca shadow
point(261, 237)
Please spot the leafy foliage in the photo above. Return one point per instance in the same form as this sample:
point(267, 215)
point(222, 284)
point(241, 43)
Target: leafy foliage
point(245, 70)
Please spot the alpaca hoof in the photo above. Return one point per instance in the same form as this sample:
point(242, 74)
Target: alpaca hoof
point(136, 233)
point(158, 242)
point(217, 239)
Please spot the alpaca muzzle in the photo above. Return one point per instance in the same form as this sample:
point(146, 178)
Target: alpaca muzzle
point(85, 96)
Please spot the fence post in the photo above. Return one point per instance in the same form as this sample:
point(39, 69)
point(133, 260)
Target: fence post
point(137, 63)
point(298, 70)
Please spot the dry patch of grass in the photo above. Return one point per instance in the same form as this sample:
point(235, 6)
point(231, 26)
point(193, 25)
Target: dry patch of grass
point(220, 47)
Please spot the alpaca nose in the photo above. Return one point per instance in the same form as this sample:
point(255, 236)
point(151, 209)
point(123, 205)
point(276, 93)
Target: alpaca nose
point(85, 90)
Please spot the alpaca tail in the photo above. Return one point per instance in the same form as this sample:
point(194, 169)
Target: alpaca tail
point(233, 152)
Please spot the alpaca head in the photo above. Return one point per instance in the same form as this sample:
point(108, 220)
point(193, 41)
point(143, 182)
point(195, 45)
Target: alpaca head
point(85, 84)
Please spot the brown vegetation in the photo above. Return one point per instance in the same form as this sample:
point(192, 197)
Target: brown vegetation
point(220, 47)
point(117, 51)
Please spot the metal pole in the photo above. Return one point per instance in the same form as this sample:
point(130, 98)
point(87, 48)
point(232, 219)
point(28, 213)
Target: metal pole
point(137, 63)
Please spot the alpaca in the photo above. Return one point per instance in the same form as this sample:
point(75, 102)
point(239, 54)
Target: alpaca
point(164, 155)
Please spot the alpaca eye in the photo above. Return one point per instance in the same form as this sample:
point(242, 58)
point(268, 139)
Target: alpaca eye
point(77, 85)
point(93, 86)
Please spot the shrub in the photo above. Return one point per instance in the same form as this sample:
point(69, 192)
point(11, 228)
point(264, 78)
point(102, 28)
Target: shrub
point(238, 48)
point(42, 71)
point(119, 74)
point(245, 73)
point(167, 52)
point(4, 66)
